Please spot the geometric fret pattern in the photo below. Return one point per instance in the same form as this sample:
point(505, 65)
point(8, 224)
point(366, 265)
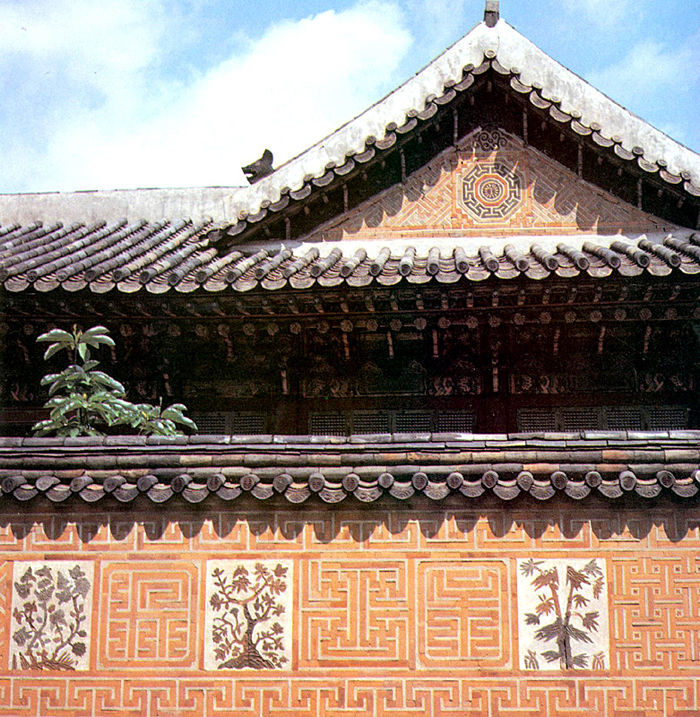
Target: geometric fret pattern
point(466, 613)
point(510, 190)
point(355, 613)
point(149, 615)
point(657, 628)
point(394, 611)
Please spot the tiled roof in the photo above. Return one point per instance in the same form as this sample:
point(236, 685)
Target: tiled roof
point(85, 245)
point(367, 467)
point(568, 99)
point(167, 256)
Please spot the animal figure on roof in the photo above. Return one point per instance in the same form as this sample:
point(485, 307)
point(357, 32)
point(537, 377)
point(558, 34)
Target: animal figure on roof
point(260, 168)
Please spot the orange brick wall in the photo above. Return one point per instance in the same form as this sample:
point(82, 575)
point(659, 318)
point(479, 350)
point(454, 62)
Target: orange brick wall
point(397, 610)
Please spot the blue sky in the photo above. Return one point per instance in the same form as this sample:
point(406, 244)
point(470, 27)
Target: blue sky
point(104, 94)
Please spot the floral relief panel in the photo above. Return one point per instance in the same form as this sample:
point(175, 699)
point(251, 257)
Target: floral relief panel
point(248, 615)
point(51, 609)
point(563, 614)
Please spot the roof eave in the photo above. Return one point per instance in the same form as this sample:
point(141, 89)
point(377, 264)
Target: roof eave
point(439, 466)
point(510, 53)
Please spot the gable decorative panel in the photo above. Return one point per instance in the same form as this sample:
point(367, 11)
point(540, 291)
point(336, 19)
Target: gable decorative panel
point(497, 186)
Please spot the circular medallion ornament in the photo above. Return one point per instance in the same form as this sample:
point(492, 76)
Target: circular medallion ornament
point(490, 191)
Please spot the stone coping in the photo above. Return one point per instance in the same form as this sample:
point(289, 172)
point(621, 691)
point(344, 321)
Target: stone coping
point(363, 466)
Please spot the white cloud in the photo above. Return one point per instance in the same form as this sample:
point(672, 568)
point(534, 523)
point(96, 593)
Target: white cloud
point(655, 82)
point(295, 84)
point(94, 42)
point(647, 67)
point(659, 83)
point(603, 13)
point(442, 21)
point(62, 64)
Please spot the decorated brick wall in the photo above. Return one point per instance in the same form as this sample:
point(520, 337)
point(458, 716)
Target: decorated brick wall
point(397, 610)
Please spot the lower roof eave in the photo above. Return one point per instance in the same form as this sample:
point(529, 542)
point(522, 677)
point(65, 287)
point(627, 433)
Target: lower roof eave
point(577, 465)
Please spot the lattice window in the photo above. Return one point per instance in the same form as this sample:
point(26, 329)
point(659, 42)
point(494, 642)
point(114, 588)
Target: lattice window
point(328, 424)
point(248, 423)
point(220, 422)
point(611, 418)
point(625, 418)
point(340, 424)
point(456, 421)
point(371, 422)
point(579, 419)
point(413, 422)
point(211, 423)
point(667, 418)
point(531, 420)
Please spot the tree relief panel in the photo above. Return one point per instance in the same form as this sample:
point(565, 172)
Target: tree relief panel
point(248, 615)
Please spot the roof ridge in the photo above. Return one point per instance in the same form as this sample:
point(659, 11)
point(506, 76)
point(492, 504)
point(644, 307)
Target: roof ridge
point(571, 98)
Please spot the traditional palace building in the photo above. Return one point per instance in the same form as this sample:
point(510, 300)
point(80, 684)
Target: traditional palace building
point(445, 368)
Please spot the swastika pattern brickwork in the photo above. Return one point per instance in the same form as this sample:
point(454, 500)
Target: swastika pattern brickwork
point(149, 615)
point(355, 612)
point(477, 190)
point(398, 611)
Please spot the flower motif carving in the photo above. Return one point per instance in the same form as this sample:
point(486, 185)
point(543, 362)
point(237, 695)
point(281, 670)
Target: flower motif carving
point(51, 616)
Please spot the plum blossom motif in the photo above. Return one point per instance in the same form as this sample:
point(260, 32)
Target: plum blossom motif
point(51, 616)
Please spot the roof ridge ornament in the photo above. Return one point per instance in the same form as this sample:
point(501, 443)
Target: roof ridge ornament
point(491, 13)
point(260, 168)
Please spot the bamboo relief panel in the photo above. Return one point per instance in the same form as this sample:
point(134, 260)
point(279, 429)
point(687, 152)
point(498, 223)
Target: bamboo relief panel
point(326, 612)
point(562, 614)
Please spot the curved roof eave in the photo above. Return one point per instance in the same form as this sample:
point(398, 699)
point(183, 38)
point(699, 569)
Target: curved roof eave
point(514, 54)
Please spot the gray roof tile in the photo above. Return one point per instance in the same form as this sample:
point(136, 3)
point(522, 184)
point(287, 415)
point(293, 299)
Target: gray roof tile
point(195, 468)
